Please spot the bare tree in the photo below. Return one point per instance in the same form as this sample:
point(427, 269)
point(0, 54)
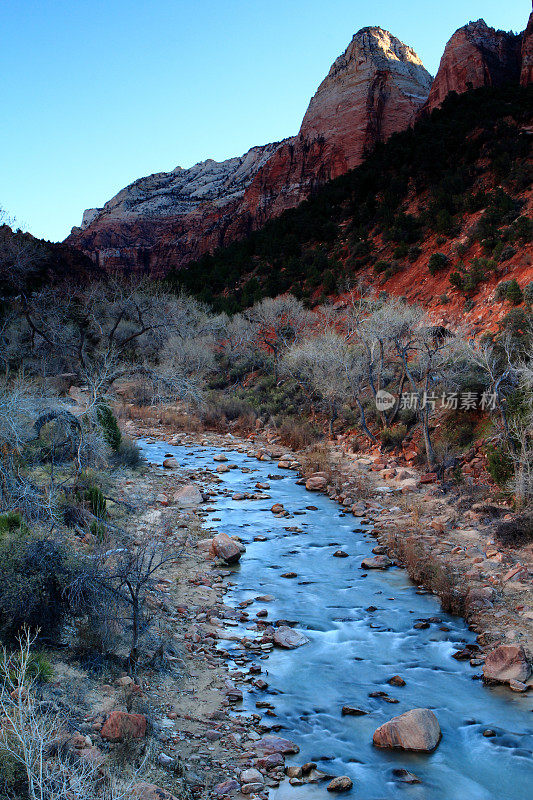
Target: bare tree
point(30, 735)
point(129, 574)
point(278, 323)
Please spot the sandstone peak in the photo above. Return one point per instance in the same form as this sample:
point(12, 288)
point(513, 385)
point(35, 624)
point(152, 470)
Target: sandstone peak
point(372, 90)
point(475, 56)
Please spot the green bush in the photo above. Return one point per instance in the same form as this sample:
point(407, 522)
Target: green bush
point(381, 266)
point(97, 502)
point(110, 428)
point(437, 262)
point(499, 465)
point(514, 293)
point(10, 522)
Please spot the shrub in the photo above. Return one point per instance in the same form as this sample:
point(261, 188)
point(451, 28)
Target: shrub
point(98, 530)
point(381, 266)
point(499, 465)
point(128, 454)
point(500, 293)
point(35, 574)
point(10, 522)
point(109, 426)
point(437, 262)
point(517, 532)
point(393, 437)
point(414, 253)
point(514, 293)
point(528, 292)
point(297, 435)
point(97, 502)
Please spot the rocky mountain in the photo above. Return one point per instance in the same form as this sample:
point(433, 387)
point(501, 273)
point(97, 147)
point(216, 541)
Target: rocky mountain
point(374, 89)
point(526, 72)
point(377, 87)
point(475, 56)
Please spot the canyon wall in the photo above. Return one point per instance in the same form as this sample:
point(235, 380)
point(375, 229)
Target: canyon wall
point(376, 87)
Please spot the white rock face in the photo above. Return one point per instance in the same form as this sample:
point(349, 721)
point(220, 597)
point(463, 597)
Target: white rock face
point(184, 190)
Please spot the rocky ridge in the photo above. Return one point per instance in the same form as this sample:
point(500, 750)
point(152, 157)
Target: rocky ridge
point(374, 89)
point(378, 86)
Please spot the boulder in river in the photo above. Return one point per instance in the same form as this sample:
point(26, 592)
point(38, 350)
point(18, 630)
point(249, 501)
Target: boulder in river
point(170, 463)
point(417, 730)
point(289, 638)
point(378, 562)
point(507, 662)
point(226, 548)
point(277, 508)
point(341, 784)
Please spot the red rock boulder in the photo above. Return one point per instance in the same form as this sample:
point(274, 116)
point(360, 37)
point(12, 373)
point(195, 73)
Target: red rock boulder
point(416, 730)
point(120, 726)
point(506, 663)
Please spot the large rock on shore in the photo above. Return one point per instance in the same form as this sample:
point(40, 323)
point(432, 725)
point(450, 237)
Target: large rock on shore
point(417, 730)
point(276, 744)
point(506, 663)
point(226, 548)
point(149, 791)
point(315, 483)
point(120, 726)
point(189, 496)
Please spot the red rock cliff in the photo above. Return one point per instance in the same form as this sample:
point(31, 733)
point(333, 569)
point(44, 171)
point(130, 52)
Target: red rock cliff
point(476, 56)
point(374, 89)
point(526, 73)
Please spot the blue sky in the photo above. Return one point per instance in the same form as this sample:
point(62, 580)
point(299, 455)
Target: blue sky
point(96, 93)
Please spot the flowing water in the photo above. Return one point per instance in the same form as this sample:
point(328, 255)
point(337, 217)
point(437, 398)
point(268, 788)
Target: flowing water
point(354, 651)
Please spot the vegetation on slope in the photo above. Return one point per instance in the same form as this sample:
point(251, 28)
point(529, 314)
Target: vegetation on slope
point(468, 157)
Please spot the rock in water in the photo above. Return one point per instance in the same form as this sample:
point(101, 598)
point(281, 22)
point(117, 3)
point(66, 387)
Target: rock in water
point(341, 784)
point(289, 638)
point(506, 663)
point(378, 562)
point(226, 548)
point(417, 730)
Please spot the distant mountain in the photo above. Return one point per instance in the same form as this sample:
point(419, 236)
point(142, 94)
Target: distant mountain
point(377, 87)
point(165, 220)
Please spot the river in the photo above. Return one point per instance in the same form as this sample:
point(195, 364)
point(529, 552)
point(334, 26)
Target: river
point(355, 650)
